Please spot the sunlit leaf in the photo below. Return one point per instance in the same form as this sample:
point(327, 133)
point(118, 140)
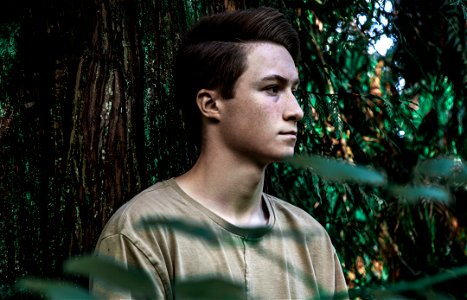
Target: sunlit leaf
point(415, 193)
point(54, 289)
point(208, 288)
point(360, 215)
point(338, 170)
point(112, 272)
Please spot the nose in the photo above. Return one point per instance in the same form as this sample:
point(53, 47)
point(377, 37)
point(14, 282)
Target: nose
point(292, 111)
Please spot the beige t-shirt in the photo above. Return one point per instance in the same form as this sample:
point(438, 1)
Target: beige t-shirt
point(291, 258)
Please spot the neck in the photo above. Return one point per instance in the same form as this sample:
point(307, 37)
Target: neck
point(230, 188)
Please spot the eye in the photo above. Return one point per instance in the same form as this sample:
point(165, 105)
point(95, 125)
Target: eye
point(272, 89)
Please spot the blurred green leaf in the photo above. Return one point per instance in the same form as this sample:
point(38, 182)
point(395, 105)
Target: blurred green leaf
point(208, 288)
point(427, 282)
point(184, 226)
point(453, 170)
point(197, 230)
point(437, 167)
point(415, 193)
point(423, 286)
point(338, 170)
point(112, 272)
point(54, 289)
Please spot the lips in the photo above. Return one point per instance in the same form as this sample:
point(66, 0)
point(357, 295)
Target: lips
point(291, 132)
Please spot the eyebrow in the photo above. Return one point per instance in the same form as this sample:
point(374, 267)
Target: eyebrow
point(279, 78)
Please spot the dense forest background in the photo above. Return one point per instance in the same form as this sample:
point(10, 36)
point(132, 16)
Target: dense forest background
point(87, 119)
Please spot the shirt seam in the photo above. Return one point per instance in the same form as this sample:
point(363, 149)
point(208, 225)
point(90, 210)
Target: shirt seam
point(246, 269)
point(165, 284)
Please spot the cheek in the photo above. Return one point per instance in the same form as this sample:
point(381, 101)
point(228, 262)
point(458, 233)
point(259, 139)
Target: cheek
point(257, 117)
point(262, 125)
point(268, 115)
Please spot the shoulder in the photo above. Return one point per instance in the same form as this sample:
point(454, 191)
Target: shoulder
point(307, 238)
point(302, 226)
point(160, 200)
point(283, 207)
point(293, 216)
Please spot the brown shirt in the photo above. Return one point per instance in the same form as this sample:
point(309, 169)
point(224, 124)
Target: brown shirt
point(291, 258)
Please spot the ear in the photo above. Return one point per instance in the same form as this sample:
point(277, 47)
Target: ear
point(208, 102)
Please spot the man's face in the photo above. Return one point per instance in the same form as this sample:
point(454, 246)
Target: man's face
point(260, 122)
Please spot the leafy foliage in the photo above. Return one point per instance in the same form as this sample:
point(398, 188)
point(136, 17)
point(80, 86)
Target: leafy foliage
point(392, 112)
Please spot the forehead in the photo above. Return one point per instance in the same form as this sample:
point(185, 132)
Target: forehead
point(268, 59)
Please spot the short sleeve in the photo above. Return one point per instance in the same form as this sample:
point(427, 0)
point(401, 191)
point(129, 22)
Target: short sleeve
point(120, 248)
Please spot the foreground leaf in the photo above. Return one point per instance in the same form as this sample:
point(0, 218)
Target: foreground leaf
point(338, 170)
point(454, 171)
point(208, 288)
point(198, 230)
point(437, 167)
point(112, 272)
point(54, 289)
point(427, 282)
point(415, 193)
point(183, 226)
point(423, 286)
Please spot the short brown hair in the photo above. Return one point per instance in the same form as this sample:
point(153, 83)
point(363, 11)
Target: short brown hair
point(213, 55)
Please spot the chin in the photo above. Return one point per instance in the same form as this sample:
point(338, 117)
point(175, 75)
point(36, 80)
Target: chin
point(284, 155)
point(277, 154)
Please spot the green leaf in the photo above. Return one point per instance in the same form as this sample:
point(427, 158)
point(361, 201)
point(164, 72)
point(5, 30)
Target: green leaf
point(338, 170)
point(415, 193)
point(437, 167)
point(360, 215)
point(111, 272)
point(453, 170)
point(54, 289)
point(184, 226)
point(208, 288)
point(426, 282)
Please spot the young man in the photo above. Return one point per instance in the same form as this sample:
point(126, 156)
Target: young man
point(236, 79)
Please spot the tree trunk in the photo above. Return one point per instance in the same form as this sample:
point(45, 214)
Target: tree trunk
point(87, 120)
